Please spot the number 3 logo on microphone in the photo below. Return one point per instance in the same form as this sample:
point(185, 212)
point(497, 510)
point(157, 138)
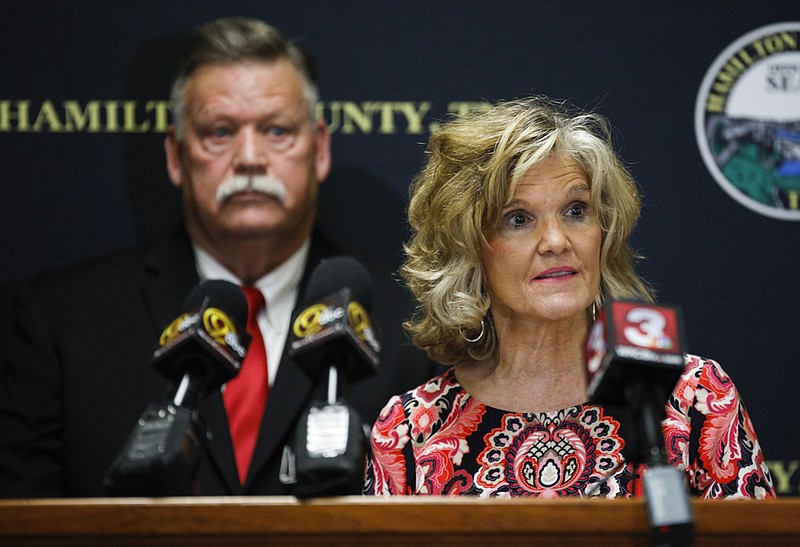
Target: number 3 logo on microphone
point(646, 329)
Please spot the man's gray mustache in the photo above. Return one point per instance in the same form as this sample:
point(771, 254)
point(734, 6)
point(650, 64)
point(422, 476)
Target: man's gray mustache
point(253, 183)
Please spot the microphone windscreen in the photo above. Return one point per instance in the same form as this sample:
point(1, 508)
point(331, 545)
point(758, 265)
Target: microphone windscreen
point(220, 294)
point(335, 273)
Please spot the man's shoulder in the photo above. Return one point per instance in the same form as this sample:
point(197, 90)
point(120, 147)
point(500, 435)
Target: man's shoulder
point(117, 279)
point(119, 265)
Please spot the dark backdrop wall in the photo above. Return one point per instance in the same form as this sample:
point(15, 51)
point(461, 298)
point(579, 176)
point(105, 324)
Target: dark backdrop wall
point(83, 107)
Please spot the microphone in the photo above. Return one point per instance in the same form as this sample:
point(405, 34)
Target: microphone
point(336, 324)
point(199, 351)
point(334, 342)
point(634, 358)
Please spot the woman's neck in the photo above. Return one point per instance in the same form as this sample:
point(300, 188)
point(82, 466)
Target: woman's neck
point(535, 370)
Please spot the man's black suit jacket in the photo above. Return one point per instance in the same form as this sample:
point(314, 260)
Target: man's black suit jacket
point(77, 374)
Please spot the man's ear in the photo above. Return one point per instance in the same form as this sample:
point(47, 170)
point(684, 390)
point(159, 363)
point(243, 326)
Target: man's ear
point(322, 159)
point(172, 150)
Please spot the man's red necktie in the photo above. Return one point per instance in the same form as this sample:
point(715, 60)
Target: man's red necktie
point(246, 395)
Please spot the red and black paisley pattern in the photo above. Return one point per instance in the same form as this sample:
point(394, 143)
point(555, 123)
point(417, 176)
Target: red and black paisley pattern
point(436, 439)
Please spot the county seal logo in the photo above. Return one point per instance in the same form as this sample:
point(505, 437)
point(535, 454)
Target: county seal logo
point(747, 120)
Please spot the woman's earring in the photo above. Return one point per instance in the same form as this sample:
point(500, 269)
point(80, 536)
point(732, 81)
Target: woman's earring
point(477, 338)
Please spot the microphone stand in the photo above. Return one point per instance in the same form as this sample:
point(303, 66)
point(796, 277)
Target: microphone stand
point(163, 452)
point(329, 449)
point(668, 507)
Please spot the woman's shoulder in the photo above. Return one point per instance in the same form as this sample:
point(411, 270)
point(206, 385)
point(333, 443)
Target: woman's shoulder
point(430, 390)
point(699, 367)
point(704, 374)
point(436, 386)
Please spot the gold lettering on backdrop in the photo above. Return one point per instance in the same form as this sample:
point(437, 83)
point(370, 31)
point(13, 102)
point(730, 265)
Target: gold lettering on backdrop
point(743, 59)
point(794, 199)
point(775, 43)
point(131, 124)
point(414, 116)
point(154, 116)
point(715, 103)
point(385, 113)
point(354, 116)
point(112, 120)
point(14, 115)
point(93, 116)
point(78, 119)
point(382, 117)
point(160, 111)
point(783, 471)
point(49, 117)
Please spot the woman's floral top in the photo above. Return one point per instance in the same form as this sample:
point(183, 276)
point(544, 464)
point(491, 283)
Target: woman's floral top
point(437, 439)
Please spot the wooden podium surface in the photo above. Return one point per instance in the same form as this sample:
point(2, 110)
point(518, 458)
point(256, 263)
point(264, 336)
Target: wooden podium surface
point(381, 521)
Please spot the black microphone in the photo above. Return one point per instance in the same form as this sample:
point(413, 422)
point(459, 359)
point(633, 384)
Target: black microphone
point(634, 358)
point(334, 342)
point(335, 324)
point(200, 350)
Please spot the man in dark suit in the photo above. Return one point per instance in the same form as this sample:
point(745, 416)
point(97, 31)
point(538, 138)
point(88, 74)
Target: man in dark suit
point(248, 155)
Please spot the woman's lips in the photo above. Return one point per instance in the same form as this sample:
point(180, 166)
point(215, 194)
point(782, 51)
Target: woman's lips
point(555, 274)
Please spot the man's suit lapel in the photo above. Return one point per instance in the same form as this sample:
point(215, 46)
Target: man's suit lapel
point(288, 396)
point(291, 391)
point(170, 274)
point(219, 444)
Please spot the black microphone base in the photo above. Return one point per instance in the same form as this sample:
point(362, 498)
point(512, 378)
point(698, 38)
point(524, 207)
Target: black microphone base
point(161, 455)
point(668, 508)
point(329, 452)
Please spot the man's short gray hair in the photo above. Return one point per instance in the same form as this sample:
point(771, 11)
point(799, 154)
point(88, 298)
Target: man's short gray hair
point(234, 40)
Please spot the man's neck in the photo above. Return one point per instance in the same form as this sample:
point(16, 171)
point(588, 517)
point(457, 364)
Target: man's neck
point(251, 259)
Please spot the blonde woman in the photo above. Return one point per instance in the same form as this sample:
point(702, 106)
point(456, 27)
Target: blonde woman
point(520, 220)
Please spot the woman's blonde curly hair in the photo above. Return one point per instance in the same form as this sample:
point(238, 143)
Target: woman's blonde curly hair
point(474, 163)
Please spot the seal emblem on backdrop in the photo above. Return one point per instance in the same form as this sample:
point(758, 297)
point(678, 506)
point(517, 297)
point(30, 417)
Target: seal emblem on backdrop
point(747, 120)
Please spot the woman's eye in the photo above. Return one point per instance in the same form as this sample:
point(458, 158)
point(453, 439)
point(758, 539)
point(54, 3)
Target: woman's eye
point(517, 219)
point(577, 210)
